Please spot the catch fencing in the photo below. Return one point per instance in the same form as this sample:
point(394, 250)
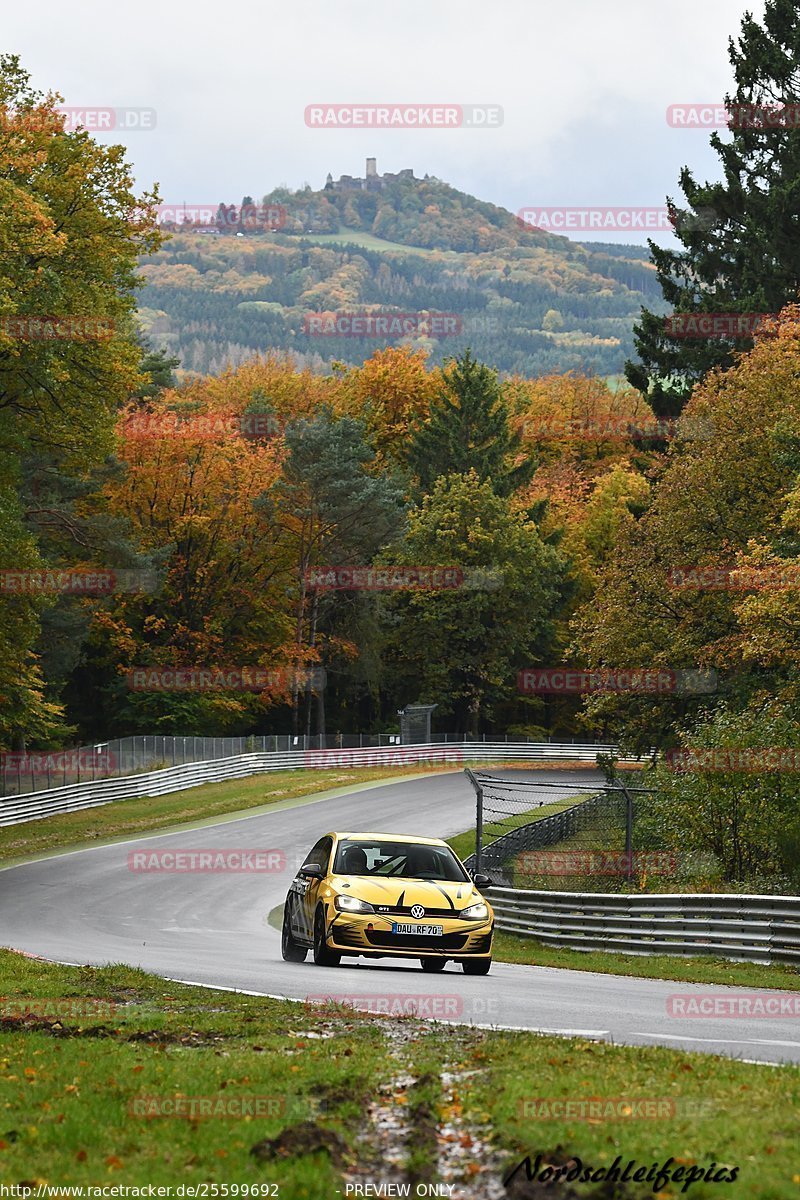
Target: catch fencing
point(114, 759)
point(596, 822)
point(16, 809)
point(762, 929)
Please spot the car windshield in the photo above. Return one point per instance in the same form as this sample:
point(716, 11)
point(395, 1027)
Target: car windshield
point(408, 860)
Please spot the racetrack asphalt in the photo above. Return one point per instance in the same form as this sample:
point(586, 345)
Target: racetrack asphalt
point(88, 906)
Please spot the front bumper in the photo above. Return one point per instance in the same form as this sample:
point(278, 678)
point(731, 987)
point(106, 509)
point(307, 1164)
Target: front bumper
point(352, 933)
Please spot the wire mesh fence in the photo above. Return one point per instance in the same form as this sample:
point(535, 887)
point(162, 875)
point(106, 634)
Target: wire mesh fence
point(584, 836)
point(33, 771)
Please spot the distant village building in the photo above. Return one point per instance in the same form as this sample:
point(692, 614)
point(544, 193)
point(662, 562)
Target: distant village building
point(372, 182)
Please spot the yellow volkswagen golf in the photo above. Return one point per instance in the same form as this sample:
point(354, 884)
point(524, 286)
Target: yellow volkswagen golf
point(378, 895)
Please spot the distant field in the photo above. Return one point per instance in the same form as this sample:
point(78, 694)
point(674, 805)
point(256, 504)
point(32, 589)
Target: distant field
point(355, 237)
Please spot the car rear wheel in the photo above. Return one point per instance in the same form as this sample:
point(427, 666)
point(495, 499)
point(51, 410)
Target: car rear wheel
point(290, 950)
point(323, 957)
point(478, 966)
point(431, 965)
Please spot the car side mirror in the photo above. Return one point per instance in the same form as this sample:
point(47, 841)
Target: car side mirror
point(482, 881)
point(312, 869)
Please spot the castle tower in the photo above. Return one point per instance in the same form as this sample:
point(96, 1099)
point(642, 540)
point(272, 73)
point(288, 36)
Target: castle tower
point(372, 168)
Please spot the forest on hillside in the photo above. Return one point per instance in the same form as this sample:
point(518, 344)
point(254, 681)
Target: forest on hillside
point(525, 301)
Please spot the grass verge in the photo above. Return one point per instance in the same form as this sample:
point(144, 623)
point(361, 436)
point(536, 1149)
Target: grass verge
point(80, 1091)
point(124, 818)
point(509, 947)
point(464, 843)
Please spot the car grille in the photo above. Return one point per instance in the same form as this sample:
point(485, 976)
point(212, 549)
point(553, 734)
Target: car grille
point(401, 941)
point(404, 910)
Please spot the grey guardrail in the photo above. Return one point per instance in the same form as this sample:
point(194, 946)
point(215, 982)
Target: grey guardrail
point(762, 929)
point(33, 806)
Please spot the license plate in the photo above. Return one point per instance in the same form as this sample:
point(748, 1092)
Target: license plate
point(425, 930)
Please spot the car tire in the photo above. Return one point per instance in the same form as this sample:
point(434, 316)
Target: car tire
point(433, 965)
point(477, 966)
point(291, 951)
point(323, 957)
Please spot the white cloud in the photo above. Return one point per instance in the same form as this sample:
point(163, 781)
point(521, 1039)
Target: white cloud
point(584, 88)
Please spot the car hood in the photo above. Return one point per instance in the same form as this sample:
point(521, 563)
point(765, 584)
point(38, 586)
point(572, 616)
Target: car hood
point(402, 893)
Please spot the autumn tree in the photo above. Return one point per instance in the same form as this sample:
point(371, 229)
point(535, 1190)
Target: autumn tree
point(192, 492)
point(723, 501)
point(71, 233)
point(460, 647)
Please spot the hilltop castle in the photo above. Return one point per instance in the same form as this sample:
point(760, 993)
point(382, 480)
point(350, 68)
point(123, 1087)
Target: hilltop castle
point(373, 182)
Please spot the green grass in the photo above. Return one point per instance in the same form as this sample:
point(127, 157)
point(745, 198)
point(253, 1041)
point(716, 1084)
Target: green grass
point(356, 237)
point(68, 1111)
point(509, 947)
point(716, 1110)
point(72, 1091)
point(464, 843)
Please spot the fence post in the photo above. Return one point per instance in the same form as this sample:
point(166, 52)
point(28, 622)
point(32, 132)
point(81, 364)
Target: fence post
point(628, 832)
point(478, 818)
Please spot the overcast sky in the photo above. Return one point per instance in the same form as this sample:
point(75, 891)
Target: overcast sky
point(584, 87)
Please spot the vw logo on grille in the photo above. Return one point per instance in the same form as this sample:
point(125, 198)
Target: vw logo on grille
point(417, 911)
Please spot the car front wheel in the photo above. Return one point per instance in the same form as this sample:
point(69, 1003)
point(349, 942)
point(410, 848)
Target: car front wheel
point(290, 950)
point(323, 957)
point(431, 965)
point(478, 966)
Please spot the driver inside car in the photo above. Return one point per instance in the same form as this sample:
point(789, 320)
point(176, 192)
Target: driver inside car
point(355, 861)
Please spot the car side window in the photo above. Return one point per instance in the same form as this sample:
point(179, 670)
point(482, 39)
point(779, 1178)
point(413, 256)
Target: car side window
point(320, 853)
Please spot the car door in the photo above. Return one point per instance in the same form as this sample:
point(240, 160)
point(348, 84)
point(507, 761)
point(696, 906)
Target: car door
point(320, 853)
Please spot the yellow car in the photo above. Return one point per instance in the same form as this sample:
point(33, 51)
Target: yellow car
point(380, 895)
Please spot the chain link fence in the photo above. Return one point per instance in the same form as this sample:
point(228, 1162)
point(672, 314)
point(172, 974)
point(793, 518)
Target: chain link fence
point(574, 837)
point(35, 771)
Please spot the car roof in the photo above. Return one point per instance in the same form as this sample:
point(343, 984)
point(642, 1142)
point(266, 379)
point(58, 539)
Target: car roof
point(392, 837)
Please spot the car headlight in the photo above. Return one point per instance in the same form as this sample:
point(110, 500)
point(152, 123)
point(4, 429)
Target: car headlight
point(352, 904)
point(476, 912)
